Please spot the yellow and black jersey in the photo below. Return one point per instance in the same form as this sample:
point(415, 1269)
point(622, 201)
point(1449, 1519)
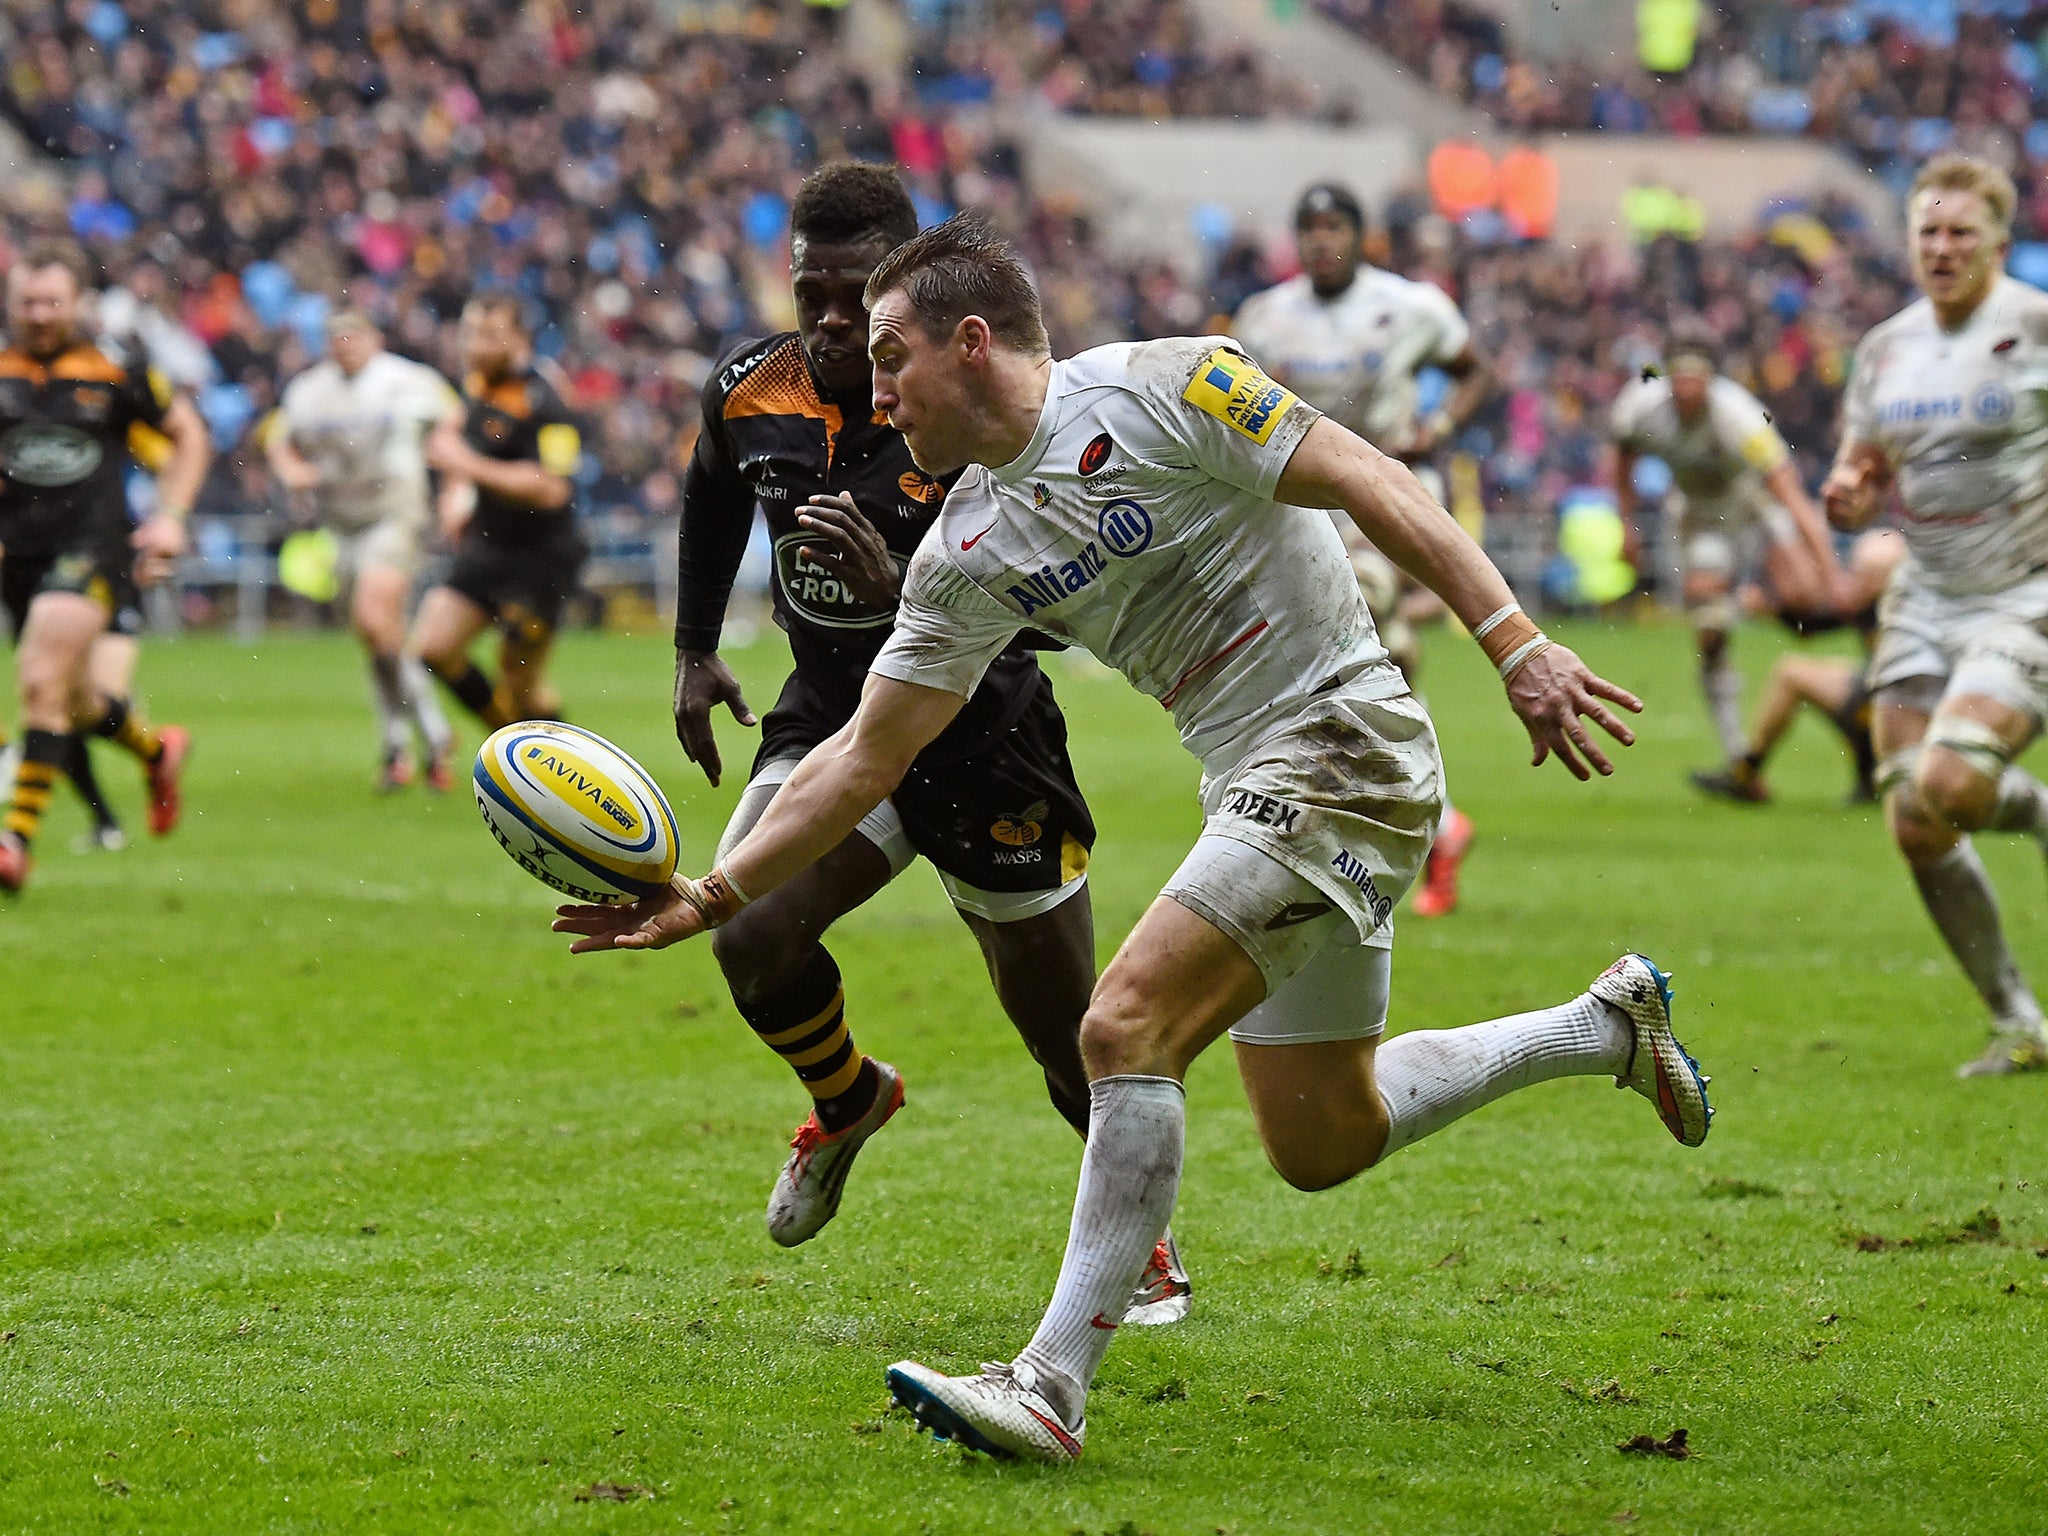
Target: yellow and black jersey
point(521, 420)
point(771, 441)
point(64, 441)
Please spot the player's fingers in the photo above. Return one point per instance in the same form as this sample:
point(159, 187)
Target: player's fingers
point(1607, 720)
point(1595, 683)
point(1561, 747)
point(1589, 749)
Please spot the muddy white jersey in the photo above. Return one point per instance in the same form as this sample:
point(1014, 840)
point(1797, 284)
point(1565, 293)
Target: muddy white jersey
point(1354, 357)
point(364, 435)
point(1722, 450)
point(1139, 523)
point(1962, 417)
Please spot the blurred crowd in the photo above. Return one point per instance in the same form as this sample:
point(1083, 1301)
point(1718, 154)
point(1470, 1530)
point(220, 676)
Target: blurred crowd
point(1892, 81)
point(239, 166)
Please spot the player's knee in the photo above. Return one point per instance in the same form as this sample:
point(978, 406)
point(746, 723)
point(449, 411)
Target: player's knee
point(1919, 833)
point(1120, 1035)
point(1955, 789)
point(1310, 1168)
point(757, 955)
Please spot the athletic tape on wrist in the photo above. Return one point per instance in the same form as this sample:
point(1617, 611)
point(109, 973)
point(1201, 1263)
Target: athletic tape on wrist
point(716, 898)
point(1523, 654)
point(1494, 620)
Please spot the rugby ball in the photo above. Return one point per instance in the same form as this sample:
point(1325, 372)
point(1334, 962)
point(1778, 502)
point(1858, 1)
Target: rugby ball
point(575, 812)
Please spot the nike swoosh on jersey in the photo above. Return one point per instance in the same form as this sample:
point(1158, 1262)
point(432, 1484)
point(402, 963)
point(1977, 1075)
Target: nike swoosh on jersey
point(967, 544)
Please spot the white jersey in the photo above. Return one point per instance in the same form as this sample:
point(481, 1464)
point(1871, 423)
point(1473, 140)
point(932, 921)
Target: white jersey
point(1962, 417)
point(1139, 523)
point(364, 435)
point(1354, 357)
point(1715, 458)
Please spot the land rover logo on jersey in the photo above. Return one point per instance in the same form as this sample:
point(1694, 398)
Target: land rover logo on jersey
point(1125, 528)
point(1097, 453)
point(817, 594)
point(1992, 405)
point(48, 455)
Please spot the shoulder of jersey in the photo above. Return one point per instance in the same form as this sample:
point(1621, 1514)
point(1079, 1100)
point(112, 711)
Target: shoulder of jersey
point(1730, 390)
point(1640, 394)
point(743, 359)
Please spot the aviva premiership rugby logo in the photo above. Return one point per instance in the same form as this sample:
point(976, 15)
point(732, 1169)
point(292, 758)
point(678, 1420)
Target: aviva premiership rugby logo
point(1230, 387)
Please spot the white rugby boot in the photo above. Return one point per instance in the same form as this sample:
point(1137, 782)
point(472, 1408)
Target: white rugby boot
point(1658, 1066)
point(2010, 1050)
point(999, 1413)
point(806, 1193)
point(1164, 1293)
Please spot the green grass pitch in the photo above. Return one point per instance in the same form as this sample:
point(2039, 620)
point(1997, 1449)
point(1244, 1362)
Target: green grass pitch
point(336, 1196)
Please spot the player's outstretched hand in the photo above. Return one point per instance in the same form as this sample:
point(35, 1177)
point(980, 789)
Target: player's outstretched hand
point(1550, 691)
point(653, 923)
point(703, 682)
point(849, 548)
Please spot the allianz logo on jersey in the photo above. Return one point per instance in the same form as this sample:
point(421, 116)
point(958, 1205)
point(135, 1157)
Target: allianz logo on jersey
point(1123, 529)
point(1992, 405)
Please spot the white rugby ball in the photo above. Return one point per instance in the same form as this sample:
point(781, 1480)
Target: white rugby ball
point(575, 812)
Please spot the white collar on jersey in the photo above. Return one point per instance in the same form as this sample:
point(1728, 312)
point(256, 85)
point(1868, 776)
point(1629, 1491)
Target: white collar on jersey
point(1014, 472)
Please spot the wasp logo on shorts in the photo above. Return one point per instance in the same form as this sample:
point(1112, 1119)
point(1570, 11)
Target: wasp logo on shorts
point(1229, 386)
point(1096, 454)
point(1020, 829)
point(1264, 809)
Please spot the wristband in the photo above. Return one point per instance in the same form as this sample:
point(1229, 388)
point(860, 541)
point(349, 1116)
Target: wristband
point(717, 898)
point(174, 512)
point(1523, 654)
point(1505, 633)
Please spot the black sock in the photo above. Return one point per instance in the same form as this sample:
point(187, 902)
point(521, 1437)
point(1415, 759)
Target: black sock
point(79, 766)
point(472, 689)
point(804, 1022)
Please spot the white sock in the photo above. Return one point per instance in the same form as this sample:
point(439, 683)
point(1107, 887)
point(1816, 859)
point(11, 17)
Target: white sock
point(1431, 1077)
point(1958, 896)
point(387, 686)
point(2022, 804)
point(426, 706)
point(1130, 1176)
point(1722, 685)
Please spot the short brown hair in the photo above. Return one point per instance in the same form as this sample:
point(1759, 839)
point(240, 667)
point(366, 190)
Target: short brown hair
point(1966, 173)
point(507, 305)
point(960, 268)
point(57, 252)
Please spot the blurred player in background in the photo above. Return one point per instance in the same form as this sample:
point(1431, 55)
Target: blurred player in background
point(1948, 410)
point(1833, 687)
point(73, 559)
point(347, 440)
point(1741, 506)
point(1353, 340)
point(506, 510)
point(790, 427)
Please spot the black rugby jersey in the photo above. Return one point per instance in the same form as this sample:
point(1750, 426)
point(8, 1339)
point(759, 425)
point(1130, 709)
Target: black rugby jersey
point(520, 420)
point(64, 425)
point(770, 440)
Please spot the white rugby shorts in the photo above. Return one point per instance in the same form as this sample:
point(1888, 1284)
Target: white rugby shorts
point(1307, 844)
point(1994, 645)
